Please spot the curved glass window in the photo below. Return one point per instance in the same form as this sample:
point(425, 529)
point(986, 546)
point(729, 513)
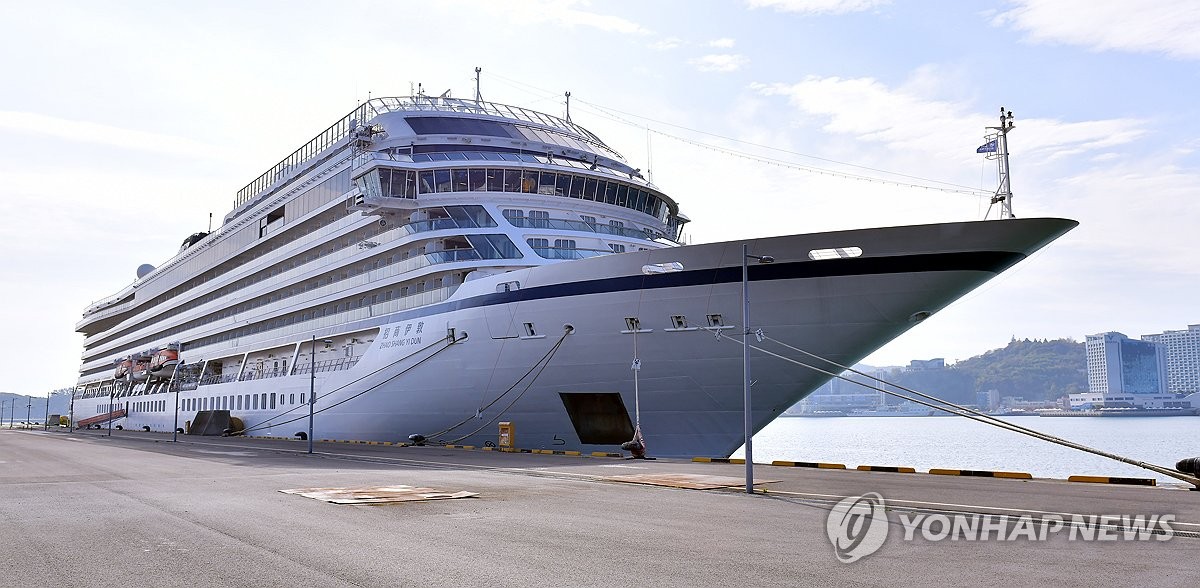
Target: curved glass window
point(441, 178)
point(406, 184)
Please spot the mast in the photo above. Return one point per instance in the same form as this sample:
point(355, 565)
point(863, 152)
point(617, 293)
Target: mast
point(478, 96)
point(997, 147)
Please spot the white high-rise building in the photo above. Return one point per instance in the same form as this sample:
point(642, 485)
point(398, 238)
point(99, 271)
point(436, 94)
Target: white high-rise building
point(1182, 349)
point(1124, 372)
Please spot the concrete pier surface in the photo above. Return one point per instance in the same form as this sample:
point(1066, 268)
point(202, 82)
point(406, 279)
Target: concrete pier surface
point(135, 509)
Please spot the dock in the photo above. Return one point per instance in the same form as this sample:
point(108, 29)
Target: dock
point(79, 507)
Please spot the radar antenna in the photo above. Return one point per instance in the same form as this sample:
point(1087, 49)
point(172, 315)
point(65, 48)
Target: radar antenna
point(996, 148)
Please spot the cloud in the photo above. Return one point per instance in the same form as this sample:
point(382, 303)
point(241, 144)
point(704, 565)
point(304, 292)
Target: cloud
point(564, 12)
point(721, 62)
point(722, 43)
point(1147, 26)
point(900, 118)
point(90, 132)
point(667, 44)
point(818, 6)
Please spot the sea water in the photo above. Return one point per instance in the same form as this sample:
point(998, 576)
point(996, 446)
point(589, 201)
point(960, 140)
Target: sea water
point(960, 443)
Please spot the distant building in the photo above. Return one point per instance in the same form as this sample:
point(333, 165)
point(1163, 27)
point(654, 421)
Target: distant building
point(923, 365)
point(1182, 350)
point(1124, 372)
point(838, 395)
point(988, 399)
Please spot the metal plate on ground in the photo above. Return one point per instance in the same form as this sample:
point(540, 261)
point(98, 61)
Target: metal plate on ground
point(376, 494)
point(689, 481)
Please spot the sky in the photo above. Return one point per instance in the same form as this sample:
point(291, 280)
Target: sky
point(124, 124)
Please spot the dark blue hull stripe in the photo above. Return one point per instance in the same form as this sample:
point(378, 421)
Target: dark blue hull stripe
point(981, 261)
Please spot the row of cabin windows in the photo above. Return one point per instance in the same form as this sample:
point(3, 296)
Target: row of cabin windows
point(542, 217)
point(264, 274)
point(416, 288)
point(150, 406)
point(545, 243)
point(397, 183)
point(263, 401)
point(202, 268)
point(487, 246)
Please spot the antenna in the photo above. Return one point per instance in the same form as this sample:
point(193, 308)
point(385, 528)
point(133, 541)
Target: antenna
point(649, 159)
point(478, 96)
point(210, 222)
point(568, 107)
point(998, 144)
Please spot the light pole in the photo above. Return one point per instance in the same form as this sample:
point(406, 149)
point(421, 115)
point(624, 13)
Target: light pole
point(746, 406)
point(111, 398)
point(46, 421)
point(28, 410)
point(171, 382)
point(312, 388)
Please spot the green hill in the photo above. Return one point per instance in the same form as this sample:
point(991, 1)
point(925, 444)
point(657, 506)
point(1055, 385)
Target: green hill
point(1029, 369)
point(1033, 369)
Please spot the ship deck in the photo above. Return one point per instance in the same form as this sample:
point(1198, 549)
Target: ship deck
point(137, 509)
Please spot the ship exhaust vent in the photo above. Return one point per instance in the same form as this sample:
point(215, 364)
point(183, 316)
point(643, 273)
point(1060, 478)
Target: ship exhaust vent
point(599, 418)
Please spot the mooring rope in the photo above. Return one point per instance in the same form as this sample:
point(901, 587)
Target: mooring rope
point(543, 362)
point(267, 423)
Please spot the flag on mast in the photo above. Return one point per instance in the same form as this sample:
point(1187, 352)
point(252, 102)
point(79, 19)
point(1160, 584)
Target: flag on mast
point(989, 147)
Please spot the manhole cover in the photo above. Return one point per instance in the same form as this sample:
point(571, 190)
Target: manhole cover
point(376, 494)
point(689, 481)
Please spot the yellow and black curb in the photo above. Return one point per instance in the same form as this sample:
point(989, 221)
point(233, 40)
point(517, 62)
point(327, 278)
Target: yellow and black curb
point(777, 463)
point(353, 442)
point(1113, 480)
point(982, 474)
point(892, 469)
point(718, 460)
point(809, 464)
point(533, 451)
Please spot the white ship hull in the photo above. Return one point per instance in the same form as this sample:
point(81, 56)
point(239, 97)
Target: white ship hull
point(413, 381)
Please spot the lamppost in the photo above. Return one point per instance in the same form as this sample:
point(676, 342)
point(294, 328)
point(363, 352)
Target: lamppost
point(28, 410)
point(111, 398)
point(170, 383)
point(46, 421)
point(746, 362)
point(312, 388)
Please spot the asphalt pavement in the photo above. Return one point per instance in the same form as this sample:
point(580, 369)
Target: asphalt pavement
point(135, 509)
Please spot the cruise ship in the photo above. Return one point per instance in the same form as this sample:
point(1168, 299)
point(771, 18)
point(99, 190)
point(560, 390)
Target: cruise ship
point(435, 266)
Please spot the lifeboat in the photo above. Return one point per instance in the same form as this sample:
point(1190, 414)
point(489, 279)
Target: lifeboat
point(140, 368)
point(163, 362)
point(123, 366)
